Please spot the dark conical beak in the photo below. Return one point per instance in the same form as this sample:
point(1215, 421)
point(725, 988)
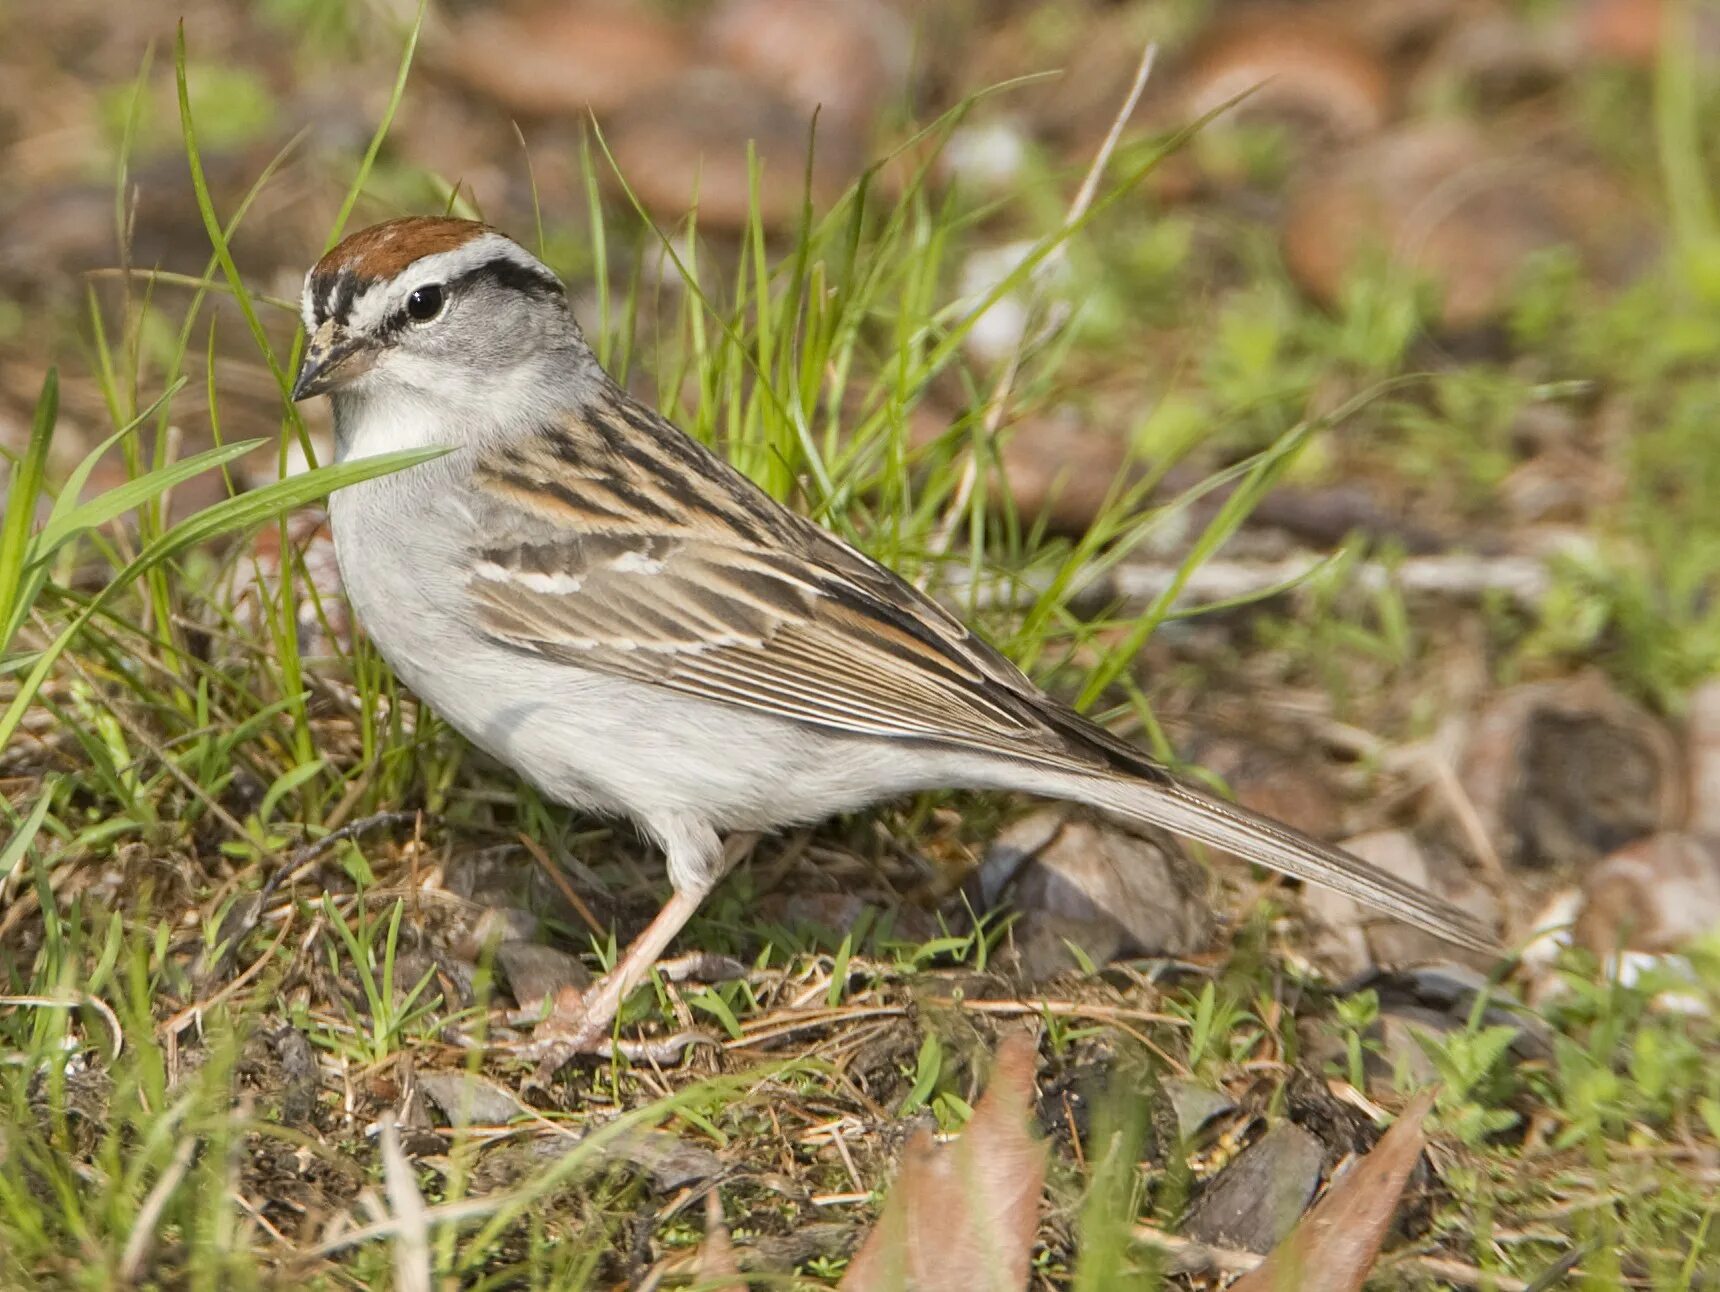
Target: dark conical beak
point(333, 358)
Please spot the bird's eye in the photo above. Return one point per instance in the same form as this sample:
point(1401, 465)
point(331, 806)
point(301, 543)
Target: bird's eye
point(424, 304)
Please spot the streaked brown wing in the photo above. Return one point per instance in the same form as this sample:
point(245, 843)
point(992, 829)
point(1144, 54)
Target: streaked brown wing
point(762, 629)
point(619, 544)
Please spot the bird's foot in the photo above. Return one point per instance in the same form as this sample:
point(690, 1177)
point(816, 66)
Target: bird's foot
point(583, 1022)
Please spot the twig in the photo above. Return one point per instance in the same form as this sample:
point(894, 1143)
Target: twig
point(1189, 1256)
point(1523, 580)
point(314, 852)
point(144, 1228)
point(998, 401)
point(412, 1235)
point(71, 1002)
point(566, 889)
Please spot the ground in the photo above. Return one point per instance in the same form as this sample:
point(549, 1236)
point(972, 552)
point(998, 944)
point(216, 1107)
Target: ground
point(1348, 443)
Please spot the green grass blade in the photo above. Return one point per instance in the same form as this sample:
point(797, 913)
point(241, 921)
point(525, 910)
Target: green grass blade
point(123, 498)
point(21, 495)
point(222, 518)
point(80, 475)
point(382, 128)
point(13, 854)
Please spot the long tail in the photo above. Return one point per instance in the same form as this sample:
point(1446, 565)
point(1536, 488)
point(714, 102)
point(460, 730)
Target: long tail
point(1186, 811)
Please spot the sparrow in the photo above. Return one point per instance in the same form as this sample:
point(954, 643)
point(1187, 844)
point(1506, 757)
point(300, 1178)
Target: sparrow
point(604, 605)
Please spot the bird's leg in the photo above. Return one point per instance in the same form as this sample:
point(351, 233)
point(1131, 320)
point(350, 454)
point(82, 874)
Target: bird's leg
point(697, 860)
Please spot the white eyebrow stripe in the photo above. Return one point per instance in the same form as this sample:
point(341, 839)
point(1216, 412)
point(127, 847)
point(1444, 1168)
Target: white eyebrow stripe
point(376, 302)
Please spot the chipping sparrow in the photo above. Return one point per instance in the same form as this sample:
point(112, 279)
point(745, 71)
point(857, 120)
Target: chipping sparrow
point(613, 611)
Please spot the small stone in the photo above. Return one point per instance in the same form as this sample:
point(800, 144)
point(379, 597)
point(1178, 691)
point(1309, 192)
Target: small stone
point(1440, 203)
point(1195, 1105)
point(537, 974)
point(1398, 1040)
point(301, 1078)
point(471, 933)
point(1256, 1200)
point(1654, 895)
point(1562, 773)
point(441, 975)
point(1111, 892)
point(465, 1098)
point(1016, 844)
point(1304, 69)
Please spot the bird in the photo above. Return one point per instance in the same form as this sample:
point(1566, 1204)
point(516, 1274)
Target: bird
point(611, 609)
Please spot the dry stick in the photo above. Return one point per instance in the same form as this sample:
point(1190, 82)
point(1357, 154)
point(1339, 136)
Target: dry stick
point(314, 852)
point(412, 1238)
point(1189, 1255)
point(1000, 392)
point(143, 1230)
point(1525, 581)
point(72, 1002)
point(566, 889)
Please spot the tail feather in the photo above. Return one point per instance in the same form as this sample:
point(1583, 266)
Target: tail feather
point(1186, 811)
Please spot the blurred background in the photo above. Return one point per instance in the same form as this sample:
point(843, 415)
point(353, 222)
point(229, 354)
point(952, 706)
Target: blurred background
point(1512, 159)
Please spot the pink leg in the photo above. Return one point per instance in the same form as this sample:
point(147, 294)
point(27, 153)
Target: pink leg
point(603, 1002)
point(704, 860)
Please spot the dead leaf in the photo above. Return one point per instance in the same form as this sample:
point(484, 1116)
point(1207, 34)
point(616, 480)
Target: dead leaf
point(962, 1216)
point(563, 59)
point(718, 1271)
point(1337, 1243)
point(465, 1098)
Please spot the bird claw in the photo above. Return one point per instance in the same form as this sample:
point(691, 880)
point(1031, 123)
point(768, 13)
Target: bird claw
point(553, 1049)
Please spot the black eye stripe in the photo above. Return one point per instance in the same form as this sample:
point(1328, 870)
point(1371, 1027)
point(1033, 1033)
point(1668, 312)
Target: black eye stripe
point(505, 271)
point(333, 295)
